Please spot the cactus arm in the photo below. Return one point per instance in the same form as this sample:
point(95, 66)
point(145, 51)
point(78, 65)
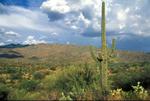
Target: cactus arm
point(113, 45)
point(93, 55)
point(111, 56)
point(95, 58)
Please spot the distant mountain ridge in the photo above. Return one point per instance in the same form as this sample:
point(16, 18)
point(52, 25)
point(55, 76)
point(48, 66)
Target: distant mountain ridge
point(66, 54)
point(13, 46)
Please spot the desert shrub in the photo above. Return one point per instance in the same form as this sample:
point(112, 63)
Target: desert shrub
point(45, 71)
point(16, 76)
point(138, 93)
point(35, 96)
point(145, 77)
point(64, 97)
point(124, 77)
point(2, 80)
point(116, 94)
point(11, 69)
point(29, 85)
point(17, 94)
point(123, 80)
point(4, 92)
point(21, 94)
point(74, 81)
point(83, 94)
point(77, 79)
point(38, 75)
point(54, 95)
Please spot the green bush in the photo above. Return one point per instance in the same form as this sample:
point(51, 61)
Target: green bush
point(138, 93)
point(75, 78)
point(124, 77)
point(16, 76)
point(18, 94)
point(21, 94)
point(2, 80)
point(10, 69)
point(38, 75)
point(29, 85)
point(4, 91)
point(74, 81)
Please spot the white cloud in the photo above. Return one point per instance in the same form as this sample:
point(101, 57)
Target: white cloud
point(121, 15)
point(74, 27)
point(1, 43)
point(121, 26)
point(127, 10)
point(9, 40)
point(85, 21)
point(25, 19)
point(11, 33)
point(54, 34)
point(31, 40)
point(60, 6)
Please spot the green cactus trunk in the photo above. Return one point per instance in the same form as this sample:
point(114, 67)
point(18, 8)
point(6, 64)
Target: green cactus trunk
point(104, 57)
point(113, 45)
point(104, 62)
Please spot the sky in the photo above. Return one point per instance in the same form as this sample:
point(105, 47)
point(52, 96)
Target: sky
point(75, 22)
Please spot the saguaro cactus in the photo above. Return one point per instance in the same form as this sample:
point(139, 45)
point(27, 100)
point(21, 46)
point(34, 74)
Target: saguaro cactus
point(104, 62)
point(105, 56)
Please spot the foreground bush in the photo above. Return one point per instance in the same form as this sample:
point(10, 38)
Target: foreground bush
point(4, 92)
point(138, 93)
point(29, 85)
point(130, 76)
point(74, 81)
point(21, 94)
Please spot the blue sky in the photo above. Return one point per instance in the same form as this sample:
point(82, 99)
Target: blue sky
point(75, 22)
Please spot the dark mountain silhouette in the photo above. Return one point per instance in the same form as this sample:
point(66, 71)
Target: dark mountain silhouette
point(13, 46)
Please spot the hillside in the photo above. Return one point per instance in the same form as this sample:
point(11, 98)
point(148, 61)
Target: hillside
point(58, 55)
point(48, 71)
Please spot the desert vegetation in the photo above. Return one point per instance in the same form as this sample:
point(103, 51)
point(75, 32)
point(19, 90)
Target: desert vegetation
point(74, 82)
point(69, 72)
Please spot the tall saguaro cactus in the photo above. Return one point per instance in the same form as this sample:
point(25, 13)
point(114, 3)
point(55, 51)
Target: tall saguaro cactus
point(105, 56)
point(104, 62)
